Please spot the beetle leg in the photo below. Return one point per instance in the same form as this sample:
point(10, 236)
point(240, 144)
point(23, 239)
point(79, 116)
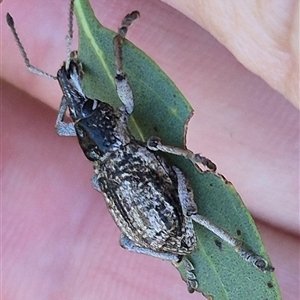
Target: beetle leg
point(128, 244)
point(63, 128)
point(189, 207)
point(185, 193)
point(247, 255)
point(191, 280)
point(176, 260)
point(95, 183)
point(154, 144)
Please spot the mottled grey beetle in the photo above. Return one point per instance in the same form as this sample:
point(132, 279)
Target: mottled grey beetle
point(150, 200)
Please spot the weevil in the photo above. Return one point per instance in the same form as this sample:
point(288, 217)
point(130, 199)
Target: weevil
point(150, 200)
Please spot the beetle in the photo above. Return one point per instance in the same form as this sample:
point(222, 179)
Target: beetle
point(150, 200)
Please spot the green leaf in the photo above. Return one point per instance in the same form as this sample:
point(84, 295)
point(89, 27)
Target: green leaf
point(161, 110)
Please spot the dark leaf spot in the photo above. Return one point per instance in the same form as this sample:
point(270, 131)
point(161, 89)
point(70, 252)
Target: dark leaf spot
point(218, 244)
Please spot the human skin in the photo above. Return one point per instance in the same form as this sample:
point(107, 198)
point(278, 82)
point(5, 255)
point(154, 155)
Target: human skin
point(59, 240)
point(262, 35)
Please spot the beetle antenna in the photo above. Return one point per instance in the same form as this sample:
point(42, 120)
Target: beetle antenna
point(119, 39)
point(69, 37)
point(30, 67)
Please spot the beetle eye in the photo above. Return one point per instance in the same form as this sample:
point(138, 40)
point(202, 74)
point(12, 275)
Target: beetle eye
point(89, 107)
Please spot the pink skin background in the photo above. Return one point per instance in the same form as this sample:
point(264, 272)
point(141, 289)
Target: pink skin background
point(58, 239)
